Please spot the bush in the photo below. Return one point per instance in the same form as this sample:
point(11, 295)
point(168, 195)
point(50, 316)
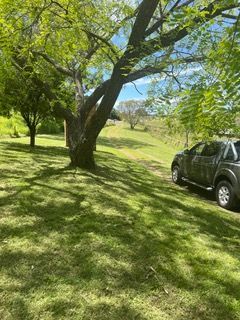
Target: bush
point(51, 126)
point(114, 115)
point(13, 126)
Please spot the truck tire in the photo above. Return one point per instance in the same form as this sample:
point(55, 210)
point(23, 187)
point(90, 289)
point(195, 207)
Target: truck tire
point(176, 175)
point(225, 195)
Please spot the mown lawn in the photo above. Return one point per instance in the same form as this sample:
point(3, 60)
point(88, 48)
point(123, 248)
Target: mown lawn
point(117, 243)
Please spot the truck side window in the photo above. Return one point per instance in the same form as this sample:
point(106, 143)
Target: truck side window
point(230, 154)
point(237, 147)
point(211, 149)
point(197, 150)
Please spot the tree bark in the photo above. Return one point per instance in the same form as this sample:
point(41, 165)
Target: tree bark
point(81, 145)
point(66, 134)
point(32, 131)
point(82, 155)
point(84, 129)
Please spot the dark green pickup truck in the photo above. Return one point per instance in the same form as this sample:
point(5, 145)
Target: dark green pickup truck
point(212, 166)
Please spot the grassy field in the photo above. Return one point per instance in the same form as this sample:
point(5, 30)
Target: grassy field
point(118, 243)
point(170, 130)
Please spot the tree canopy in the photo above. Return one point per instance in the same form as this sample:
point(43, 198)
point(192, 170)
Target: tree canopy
point(99, 46)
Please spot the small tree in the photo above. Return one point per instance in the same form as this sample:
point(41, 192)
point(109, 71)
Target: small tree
point(35, 110)
point(132, 111)
point(21, 95)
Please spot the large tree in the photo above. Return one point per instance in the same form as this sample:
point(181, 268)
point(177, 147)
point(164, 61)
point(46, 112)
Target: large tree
point(100, 46)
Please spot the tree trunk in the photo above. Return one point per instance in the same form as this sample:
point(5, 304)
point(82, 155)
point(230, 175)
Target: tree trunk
point(32, 131)
point(82, 156)
point(66, 134)
point(83, 130)
point(81, 147)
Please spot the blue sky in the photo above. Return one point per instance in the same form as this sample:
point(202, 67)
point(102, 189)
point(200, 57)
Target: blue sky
point(130, 92)
point(139, 90)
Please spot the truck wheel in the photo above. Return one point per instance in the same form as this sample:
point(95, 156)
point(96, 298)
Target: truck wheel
point(176, 175)
point(225, 195)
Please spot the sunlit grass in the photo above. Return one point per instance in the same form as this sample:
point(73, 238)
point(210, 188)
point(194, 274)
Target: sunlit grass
point(116, 243)
point(12, 126)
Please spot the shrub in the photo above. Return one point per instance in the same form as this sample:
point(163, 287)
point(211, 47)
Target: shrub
point(51, 126)
point(13, 126)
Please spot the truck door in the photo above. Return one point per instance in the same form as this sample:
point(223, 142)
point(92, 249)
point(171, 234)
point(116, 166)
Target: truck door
point(191, 161)
point(210, 157)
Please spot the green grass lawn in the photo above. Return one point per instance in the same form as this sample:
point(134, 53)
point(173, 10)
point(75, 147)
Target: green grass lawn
point(119, 243)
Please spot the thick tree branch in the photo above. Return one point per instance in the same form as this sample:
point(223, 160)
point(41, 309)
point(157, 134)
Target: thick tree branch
point(164, 17)
point(144, 15)
point(79, 90)
point(229, 16)
point(94, 49)
point(54, 63)
point(95, 96)
point(146, 11)
point(147, 71)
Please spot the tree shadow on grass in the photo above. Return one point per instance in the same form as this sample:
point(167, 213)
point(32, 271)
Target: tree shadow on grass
point(51, 151)
point(164, 171)
point(80, 244)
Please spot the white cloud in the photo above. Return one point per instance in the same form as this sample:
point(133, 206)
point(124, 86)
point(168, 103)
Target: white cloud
point(140, 82)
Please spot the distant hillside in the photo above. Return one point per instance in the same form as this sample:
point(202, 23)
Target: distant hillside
point(169, 132)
